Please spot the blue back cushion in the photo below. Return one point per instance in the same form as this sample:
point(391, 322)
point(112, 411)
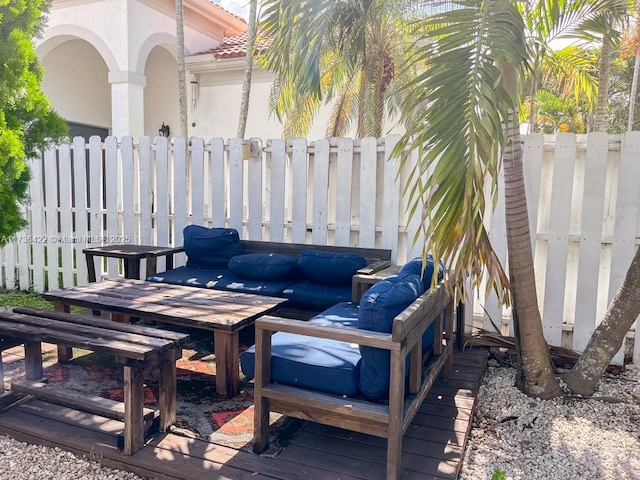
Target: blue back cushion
point(378, 307)
point(310, 295)
point(415, 266)
point(330, 268)
point(264, 266)
point(210, 247)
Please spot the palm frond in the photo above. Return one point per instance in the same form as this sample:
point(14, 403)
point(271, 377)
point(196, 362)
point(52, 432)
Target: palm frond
point(457, 130)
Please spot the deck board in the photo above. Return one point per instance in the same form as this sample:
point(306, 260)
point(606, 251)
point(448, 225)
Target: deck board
point(433, 445)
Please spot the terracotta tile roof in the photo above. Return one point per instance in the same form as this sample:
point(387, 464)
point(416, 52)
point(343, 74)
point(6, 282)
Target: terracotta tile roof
point(235, 47)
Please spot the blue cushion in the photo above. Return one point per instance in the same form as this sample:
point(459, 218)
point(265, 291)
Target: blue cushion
point(192, 277)
point(234, 283)
point(344, 314)
point(314, 296)
point(415, 266)
point(313, 363)
point(378, 307)
point(330, 268)
point(210, 247)
point(264, 266)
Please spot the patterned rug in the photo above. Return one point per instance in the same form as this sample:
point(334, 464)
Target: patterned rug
point(201, 412)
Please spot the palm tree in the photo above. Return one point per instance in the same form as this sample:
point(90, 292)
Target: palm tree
point(248, 69)
point(546, 23)
point(341, 51)
point(633, 39)
point(182, 80)
point(556, 113)
point(462, 113)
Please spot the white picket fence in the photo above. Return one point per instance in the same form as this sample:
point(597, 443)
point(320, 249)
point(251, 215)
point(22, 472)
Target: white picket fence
point(582, 192)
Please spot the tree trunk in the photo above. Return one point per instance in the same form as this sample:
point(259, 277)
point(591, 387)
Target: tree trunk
point(607, 339)
point(248, 69)
point(603, 85)
point(634, 87)
point(182, 79)
point(534, 370)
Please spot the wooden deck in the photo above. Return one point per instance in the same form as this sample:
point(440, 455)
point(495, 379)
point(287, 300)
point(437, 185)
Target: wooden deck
point(432, 448)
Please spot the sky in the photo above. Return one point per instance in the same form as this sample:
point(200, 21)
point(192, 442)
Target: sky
point(239, 7)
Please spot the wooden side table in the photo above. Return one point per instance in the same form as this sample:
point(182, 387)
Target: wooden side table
point(131, 254)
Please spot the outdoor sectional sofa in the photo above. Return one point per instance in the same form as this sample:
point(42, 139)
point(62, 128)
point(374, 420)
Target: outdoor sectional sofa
point(364, 366)
point(365, 362)
point(311, 277)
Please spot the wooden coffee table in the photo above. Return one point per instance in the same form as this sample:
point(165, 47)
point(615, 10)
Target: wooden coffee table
point(224, 313)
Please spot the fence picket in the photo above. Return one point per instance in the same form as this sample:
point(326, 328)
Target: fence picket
point(344, 182)
point(236, 185)
point(320, 184)
point(558, 238)
point(51, 212)
point(218, 174)
point(96, 170)
point(145, 189)
point(179, 200)
point(299, 177)
point(196, 182)
point(80, 207)
point(255, 189)
point(391, 213)
point(368, 191)
point(23, 264)
point(162, 197)
point(128, 191)
point(111, 182)
point(626, 217)
point(37, 223)
point(276, 187)
point(65, 215)
point(588, 276)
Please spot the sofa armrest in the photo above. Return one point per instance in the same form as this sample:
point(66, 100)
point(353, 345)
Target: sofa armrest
point(368, 338)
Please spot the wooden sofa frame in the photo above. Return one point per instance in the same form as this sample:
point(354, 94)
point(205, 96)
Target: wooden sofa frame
point(390, 421)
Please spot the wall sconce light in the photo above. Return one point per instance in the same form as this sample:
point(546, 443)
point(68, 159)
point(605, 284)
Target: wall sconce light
point(164, 130)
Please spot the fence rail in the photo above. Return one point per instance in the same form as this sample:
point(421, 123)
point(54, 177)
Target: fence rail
point(582, 195)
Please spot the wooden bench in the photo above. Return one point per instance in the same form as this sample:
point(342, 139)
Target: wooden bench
point(389, 420)
point(139, 349)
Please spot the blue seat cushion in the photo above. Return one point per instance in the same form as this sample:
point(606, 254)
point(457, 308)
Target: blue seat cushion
point(378, 307)
point(192, 277)
point(234, 283)
point(315, 296)
point(330, 268)
point(264, 266)
point(210, 247)
point(415, 266)
point(314, 363)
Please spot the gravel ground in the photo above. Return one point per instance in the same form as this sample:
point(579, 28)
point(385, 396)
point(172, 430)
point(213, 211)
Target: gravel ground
point(597, 438)
point(21, 461)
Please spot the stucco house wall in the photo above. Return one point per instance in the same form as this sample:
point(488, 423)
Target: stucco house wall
point(112, 64)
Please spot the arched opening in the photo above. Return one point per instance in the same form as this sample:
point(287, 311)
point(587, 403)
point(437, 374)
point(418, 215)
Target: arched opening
point(161, 103)
point(76, 82)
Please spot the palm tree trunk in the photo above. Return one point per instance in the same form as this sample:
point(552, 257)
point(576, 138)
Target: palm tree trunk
point(634, 87)
point(534, 370)
point(607, 339)
point(248, 69)
point(603, 85)
point(182, 79)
